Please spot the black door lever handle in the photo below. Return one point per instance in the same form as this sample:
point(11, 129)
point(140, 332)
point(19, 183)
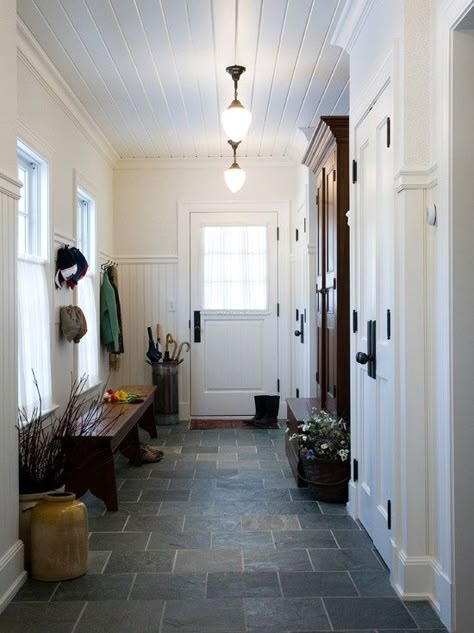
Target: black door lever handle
point(297, 333)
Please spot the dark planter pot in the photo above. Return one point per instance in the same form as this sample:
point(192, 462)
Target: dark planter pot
point(328, 480)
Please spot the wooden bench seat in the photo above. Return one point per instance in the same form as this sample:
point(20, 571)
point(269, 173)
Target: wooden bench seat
point(90, 458)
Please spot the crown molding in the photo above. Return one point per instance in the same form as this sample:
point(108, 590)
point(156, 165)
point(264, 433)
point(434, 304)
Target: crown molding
point(201, 163)
point(350, 23)
point(31, 54)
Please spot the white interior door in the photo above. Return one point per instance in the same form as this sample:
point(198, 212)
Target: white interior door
point(234, 296)
point(372, 394)
point(300, 330)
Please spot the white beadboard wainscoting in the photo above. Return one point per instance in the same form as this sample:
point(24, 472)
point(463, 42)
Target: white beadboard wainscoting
point(12, 574)
point(148, 290)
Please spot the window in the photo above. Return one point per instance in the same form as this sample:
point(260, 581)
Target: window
point(88, 349)
point(34, 321)
point(235, 268)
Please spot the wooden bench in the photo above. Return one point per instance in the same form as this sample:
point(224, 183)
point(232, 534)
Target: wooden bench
point(90, 458)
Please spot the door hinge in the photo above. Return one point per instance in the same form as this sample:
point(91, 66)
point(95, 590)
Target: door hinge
point(354, 321)
point(297, 234)
point(334, 283)
point(388, 132)
point(278, 233)
point(354, 171)
point(355, 470)
point(389, 514)
point(389, 325)
point(317, 200)
point(317, 377)
point(278, 309)
point(278, 385)
point(334, 175)
point(297, 315)
point(304, 224)
point(305, 315)
point(297, 392)
point(334, 390)
point(189, 324)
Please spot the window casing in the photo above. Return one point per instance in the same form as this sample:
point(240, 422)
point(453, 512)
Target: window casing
point(88, 347)
point(34, 310)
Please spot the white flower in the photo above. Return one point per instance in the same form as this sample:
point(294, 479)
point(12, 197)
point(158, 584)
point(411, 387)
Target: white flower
point(324, 446)
point(306, 426)
point(304, 438)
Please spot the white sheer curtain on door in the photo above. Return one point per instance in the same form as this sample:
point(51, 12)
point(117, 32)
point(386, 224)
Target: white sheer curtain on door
point(34, 338)
point(235, 268)
point(88, 349)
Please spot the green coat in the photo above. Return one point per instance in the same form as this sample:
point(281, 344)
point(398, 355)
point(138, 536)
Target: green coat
point(109, 323)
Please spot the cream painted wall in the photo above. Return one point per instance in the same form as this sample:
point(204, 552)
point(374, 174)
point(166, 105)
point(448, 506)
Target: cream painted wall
point(45, 126)
point(146, 198)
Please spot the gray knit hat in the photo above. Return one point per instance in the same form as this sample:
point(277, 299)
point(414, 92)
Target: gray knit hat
point(73, 323)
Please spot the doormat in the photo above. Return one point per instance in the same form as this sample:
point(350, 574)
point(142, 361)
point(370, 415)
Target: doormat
point(212, 423)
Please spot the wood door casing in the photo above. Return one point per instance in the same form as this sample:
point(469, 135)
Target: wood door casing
point(330, 290)
point(320, 264)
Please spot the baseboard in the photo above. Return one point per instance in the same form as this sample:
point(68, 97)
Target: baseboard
point(12, 573)
point(184, 411)
point(421, 578)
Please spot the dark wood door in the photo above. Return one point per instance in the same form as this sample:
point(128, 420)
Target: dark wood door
point(330, 282)
point(320, 275)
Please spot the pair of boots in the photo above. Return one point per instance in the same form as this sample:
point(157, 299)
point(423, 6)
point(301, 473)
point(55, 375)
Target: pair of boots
point(266, 412)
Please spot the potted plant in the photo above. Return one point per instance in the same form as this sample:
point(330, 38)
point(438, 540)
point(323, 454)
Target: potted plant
point(324, 451)
point(40, 453)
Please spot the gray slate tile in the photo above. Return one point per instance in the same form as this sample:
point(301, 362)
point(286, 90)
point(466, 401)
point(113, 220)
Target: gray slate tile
point(98, 587)
point(423, 614)
point(363, 613)
point(118, 541)
point(211, 523)
point(314, 521)
point(305, 584)
point(35, 591)
point(344, 559)
point(243, 585)
point(233, 540)
point(136, 562)
point(277, 615)
point(165, 495)
point(267, 558)
point(109, 522)
point(303, 539)
point(151, 508)
point(373, 583)
point(169, 587)
point(179, 540)
point(121, 617)
point(197, 561)
point(39, 617)
point(145, 523)
point(269, 522)
point(97, 561)
point(204, 616)
point(352, 538)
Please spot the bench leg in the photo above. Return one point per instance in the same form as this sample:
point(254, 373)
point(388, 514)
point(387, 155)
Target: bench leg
point(130, 447)
point(97, 474)
point(147, 421)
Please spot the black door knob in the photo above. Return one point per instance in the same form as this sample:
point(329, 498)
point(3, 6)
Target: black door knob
point(362, 358)
point(297, 333)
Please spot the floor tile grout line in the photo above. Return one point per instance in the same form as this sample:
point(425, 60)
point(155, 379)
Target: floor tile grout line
point(148, 541)
point(327, 614)
point(55, 590)
point(353, 582)
point(106, 562)
point(125, 524)
point(310, 559)
point(131, 586)
point(162, 617)
point(175, 558)
point(334, 537)
point(279, 583)
point(79, 617)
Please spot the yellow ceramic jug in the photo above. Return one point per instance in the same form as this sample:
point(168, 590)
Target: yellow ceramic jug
point(59, 537)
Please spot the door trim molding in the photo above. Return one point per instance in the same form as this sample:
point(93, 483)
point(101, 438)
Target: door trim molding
point(185, 209)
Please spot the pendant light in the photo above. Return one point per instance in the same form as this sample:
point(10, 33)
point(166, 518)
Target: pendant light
point(236, 118)
point(234, 176)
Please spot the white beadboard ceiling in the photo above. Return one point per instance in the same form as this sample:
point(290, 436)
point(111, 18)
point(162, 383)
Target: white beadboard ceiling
point(151, 73)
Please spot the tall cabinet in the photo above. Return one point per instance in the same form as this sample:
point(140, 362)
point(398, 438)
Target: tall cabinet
point(328, 158)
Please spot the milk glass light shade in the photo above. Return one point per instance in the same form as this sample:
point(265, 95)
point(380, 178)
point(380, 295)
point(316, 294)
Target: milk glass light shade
point(234, 177)
point(236, 120)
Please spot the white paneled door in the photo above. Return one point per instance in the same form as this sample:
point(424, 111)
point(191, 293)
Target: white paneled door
point(373, 387)
point(234, 288)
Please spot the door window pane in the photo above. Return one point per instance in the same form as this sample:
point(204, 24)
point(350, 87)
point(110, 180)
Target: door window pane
point(235, 268)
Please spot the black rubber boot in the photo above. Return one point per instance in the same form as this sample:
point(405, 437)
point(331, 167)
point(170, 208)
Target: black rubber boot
point(270, 419)
point(260, 408)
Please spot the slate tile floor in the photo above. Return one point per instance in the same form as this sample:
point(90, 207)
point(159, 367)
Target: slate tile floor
point(217, 539)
